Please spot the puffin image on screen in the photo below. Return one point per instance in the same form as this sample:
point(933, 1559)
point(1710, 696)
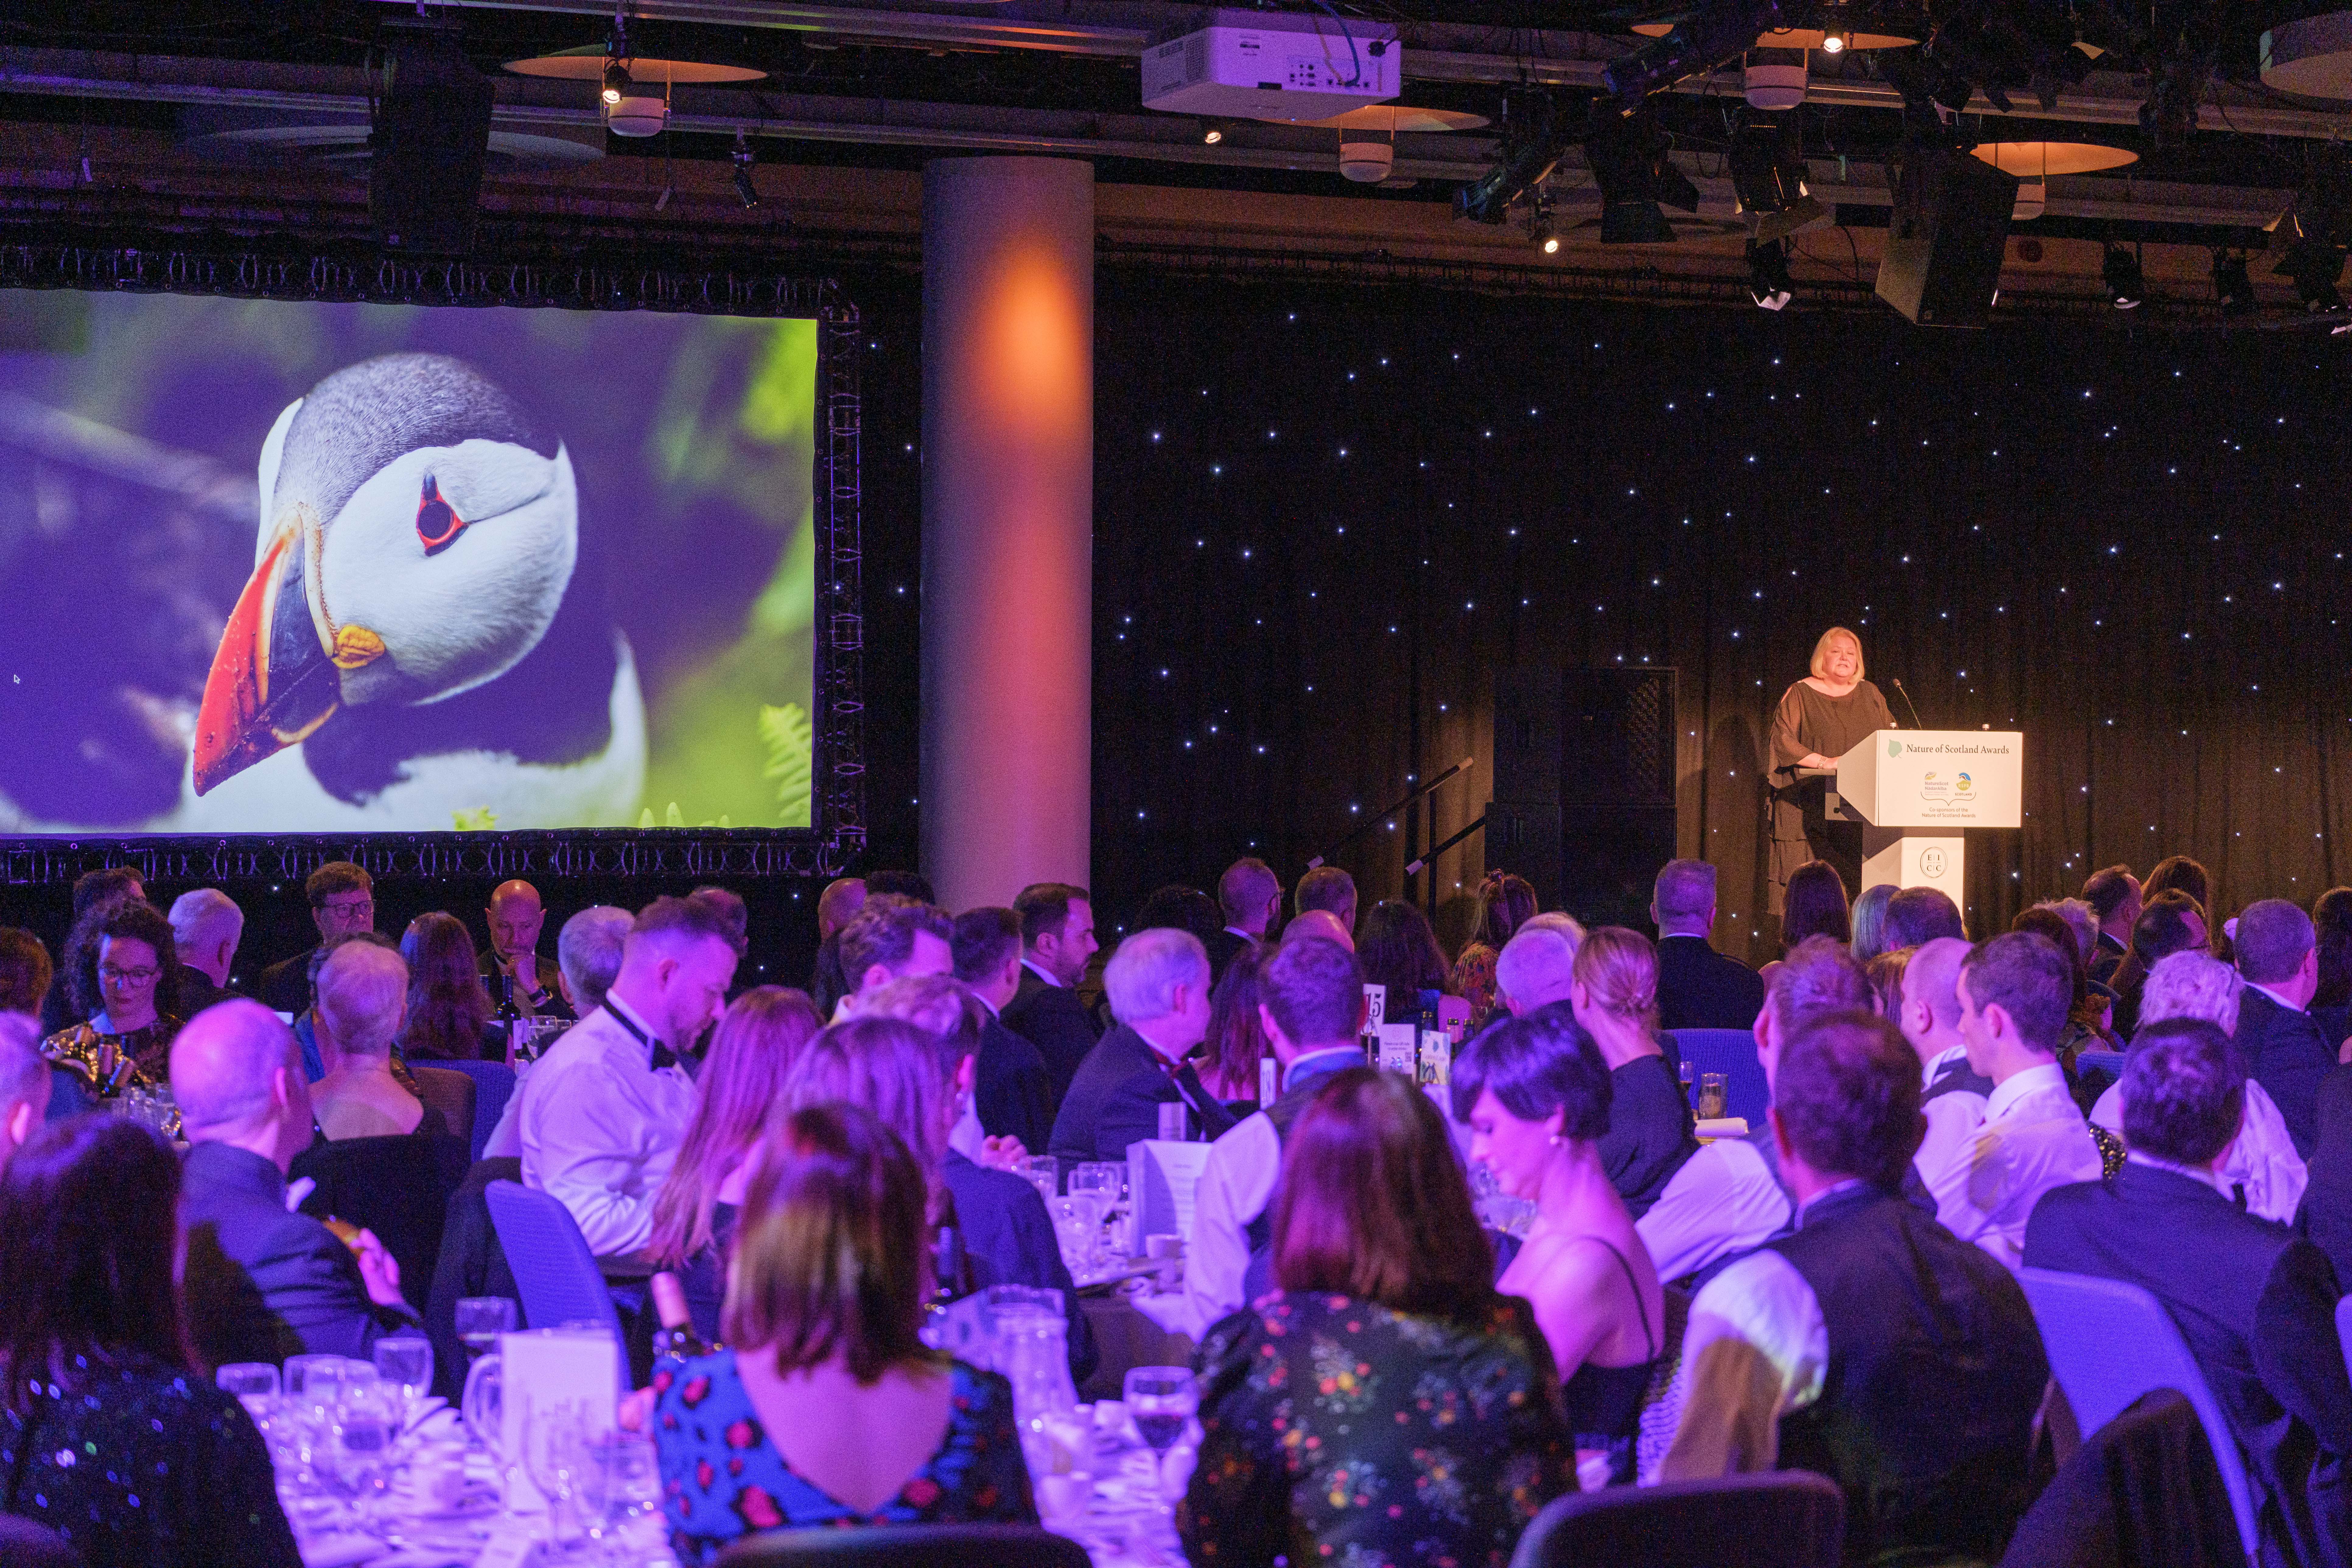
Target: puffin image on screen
point(425, 637)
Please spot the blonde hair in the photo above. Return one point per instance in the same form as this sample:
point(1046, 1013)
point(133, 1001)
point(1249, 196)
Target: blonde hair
point(888, 1066)
point(1822, 653)
point(1619, 968)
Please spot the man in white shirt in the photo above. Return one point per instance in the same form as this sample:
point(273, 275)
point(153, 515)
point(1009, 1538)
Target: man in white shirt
point(894, 941)
point(602, 1113)
point(2015, 991)
point(1312, 1007)
point(1952, 1094)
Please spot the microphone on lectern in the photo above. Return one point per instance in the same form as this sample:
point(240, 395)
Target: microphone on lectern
point(1915, 724)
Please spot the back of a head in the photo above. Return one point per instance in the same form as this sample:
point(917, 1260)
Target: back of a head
point(1846, 1095)
point(2080, 919)
point(1181, 908)
point(2106, 890)
point(2272, 937)
point(2163, 926)
point(23, 1072)
point(1372, 1202)
point(2184, 1091)
point(674, 926)
point(829, 1256)
point(1506, 902)
point(202, 918)
point(362, 990)
point(1619, 971)
point(1683, 894)
point(1537, 966)
point(1818, 976)
point(1915, 915)
point(841, 898)
point(733, 913)
point(2052, 927)
point(1869, 921)
point(223, 1064)
point(903, 884)
point(1398, 948)
point(2178, 873)
point(1933, 976)
point(1535, 1064)
point(752, 1050)
point(1247, 888)
point(2191, 984)
point(1142, 978)
point(983, 941)
point(2331, 919)
point(1320, 923)
point(1814, 904)
point(589, 949)
point(1236, 1041)
point(1329, 888)
point(939, 1006)
point(440, 952)
point(1044, 909)
point(885, 1066)
point(2027, 976)
point(104, 885)
point(1885, 973)
point(1560, 920)
point(1315, 990)
point(26, 972)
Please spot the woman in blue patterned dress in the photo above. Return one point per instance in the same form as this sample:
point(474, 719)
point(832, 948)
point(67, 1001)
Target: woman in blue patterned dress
point(830, 1411)
point(1386, 1405)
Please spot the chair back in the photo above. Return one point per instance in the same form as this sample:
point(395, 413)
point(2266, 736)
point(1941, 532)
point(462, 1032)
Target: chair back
point(397, 1185)
point(2145, 1482)
point(451, 1094)
point(554, 1272)
point(2344, 1328)
point(908, 1546)
point(2109, 1343)
point(24, 1543)
point(2098, 1069)
point(1732, 1053)
point(1777, 1519)
point(494, 1085)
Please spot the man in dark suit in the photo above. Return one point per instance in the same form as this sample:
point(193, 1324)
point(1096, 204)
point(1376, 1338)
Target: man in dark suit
point(1012, 1091)
point(2112, 894)
point(342, 900)
point(1058, 938)
point(264, 1283)
point(207, 926)
point(2284, 1049)
point(1698, 988)
point(515, 918)
point(2255, 1303)
point(1250, 896)
point(1159, 987)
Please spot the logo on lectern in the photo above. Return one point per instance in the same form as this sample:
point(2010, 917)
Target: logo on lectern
point(1934, 787)
point(1893, 748)
point(1931, 864)
point(1964, 784)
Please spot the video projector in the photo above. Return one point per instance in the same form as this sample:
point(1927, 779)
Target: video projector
point(1256, 65)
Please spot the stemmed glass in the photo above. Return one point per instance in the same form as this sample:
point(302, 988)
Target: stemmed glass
point(1102, 1181)
point(366, 1423)
point(1163, 1400)
point(555, 1455)
point(1043, 1172)
point(480, 1320)
point(406, 1361)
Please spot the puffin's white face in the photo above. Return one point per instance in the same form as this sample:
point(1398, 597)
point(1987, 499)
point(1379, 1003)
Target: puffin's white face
point(444, 569)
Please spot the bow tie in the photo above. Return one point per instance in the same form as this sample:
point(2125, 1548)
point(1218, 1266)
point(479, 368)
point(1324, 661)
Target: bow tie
point(663, 1057)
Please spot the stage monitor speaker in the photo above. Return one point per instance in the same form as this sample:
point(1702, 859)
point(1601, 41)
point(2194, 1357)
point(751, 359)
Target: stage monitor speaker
point(430, 140)
point(1610, 858)
point(1585, 737)
point(1526, 734)
point(1522, 837)
point(1941, 267)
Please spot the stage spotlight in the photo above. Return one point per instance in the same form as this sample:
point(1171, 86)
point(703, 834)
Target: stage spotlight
point(1833, 40)
point(1714, 37)
point(1539, 230)
point(1627, 156)
point(2127, 286)
point(2313, 232)
point(1212, 132)
point(1536, 135)
point(744, 188)
point(1768, 283)
point(2232, 286)
point(617, 82)
point(1767, 173)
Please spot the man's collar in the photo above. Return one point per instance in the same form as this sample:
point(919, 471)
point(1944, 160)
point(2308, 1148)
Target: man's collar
point(1694, 935)
point(2208, 1177)
point(1305, 1063)
point(1938, 1062)
point(2273, 995)
point(2017, 1085)
point(1813, 1203)
point(631, 1017)
point(1040, 971)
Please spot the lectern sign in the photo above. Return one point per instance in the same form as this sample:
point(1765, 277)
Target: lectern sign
point(1936, 778)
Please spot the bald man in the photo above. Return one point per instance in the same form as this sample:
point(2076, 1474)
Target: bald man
point(512, 959)
point(1953, 1095)
point(1322, 923)
point(838, 904)
point(264, 1282)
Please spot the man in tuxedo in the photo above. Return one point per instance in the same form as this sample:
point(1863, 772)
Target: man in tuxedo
point(515, 918)
point(2255, 1303)
point(1158, 982)
point(1058, 938)
point(892, 940)
point(1952, 1094)
point(2112, 894)
point(1013, 1093)
point(1330, 889)
point(342, 900)
point(2278, 954)
point(1915, 915)
point(1250, 895)
point(207, 926)
point(1698, 988)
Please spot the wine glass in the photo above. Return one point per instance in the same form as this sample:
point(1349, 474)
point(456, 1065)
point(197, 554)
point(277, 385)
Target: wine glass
point(255, 1383)
point(406, 1361)
point(1100, 1181)
point(555, 1456)
point(480, 1320)
point(1162, 1399)
point(366, 1420)
point(1043, 1172)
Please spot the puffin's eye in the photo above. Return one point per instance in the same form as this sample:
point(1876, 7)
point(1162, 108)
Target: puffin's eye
point(437, 522)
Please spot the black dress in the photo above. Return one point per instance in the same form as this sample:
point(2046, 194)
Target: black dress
point(1604, 1402)
point(145, 1467)
point(1808, 721)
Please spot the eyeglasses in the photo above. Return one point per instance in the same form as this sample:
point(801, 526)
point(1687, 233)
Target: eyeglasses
point(351, 906)
point(113, 976)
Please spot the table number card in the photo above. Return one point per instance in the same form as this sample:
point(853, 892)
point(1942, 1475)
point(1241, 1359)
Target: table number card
point(552, 1374)
point(1398, 1043)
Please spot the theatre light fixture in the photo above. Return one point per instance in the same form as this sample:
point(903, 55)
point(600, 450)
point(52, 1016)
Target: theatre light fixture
point(1768, 283)
point(743, 160)
point(2126, 283)
point(2232, 286)
point(1627, 156)
point(1767, 173)
point(632, 88)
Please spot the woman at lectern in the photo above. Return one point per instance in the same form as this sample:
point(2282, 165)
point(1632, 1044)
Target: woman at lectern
point(1819, 718)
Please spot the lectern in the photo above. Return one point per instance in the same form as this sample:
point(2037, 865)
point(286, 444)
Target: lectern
point(1914, 789)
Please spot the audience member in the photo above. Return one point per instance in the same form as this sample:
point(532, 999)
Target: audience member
point(759, 1038)
point(1536, 968)
point(588, 955)
point(1815, 905)
point(912, 886)
point(838, 904)
point(1310, 1008)
point(207, 926)
point(95, 893)
point(1615, 1000)
point(2013, 992)
point(2169, 921)
point(1249, 897)
point(895, 1063)
point(1952, 1094)
point(1158, 983)
point(1235, 1044)
point(2081, 921)
point(1870, 921)
point(830, 1410)
point(112, 1435)
point(890, 941)
point(734, 915)
point(2114, 895)
point(342, 899)
point(1698, 988)
point(601, 1114)
point(2255, 1303)
point(362, 997)
point(1329, 888)
point(1381, 1265)
point(25, 972)
point(1180, 908)
point(2085, 1028)
point(1537, 1096)
point(2178, 873)
point(308, 1032)
point(1013, 1093)
point(2331, 921)
point(1915, 915)
point(138, 967)
point(24, 1081)
point(1869, 1346)
point(1322, 923)
point(512, 962)
point(942, 1005)
point(1398, 948)
point(449, 1009)
point(1505, 903)
point(1729, 1197)
point(2285, 1051)
point(1058, 938)
point(1885, 973)
point(264, 1282)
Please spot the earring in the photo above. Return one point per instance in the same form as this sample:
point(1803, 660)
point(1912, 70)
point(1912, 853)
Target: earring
point(1556, 1140)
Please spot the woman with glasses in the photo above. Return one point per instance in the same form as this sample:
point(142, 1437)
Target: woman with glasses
point(138, 967)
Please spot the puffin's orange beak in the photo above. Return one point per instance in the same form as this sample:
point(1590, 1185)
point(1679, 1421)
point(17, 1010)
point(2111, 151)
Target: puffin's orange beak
point(272, 683)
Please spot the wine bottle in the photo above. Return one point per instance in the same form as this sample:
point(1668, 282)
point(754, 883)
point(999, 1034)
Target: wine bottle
point(676, 1337)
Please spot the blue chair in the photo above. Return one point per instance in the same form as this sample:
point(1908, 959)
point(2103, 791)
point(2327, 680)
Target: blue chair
point(2108, 1343)
point(2099, 1068)
point(1732, 1053)
point(554, 1272)
point(1775, 1518)
point(494, 1084)
point(2344, 1326)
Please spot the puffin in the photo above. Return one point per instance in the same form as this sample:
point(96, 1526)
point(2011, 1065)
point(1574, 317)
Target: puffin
point(425, 641)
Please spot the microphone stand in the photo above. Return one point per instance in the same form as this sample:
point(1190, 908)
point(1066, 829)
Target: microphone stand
point(1915, 722)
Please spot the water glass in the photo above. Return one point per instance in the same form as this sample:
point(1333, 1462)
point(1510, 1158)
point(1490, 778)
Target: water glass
point(255, 1383)
point(406, 1362)
point(366, 1422)
point(1043, 1173)
point(555, 1456)
point(1162, 1399)
point(620, 1480)
point(1713, 1096)
point(1077, 1227)
point(480, 1320)
point(1101, 1180)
